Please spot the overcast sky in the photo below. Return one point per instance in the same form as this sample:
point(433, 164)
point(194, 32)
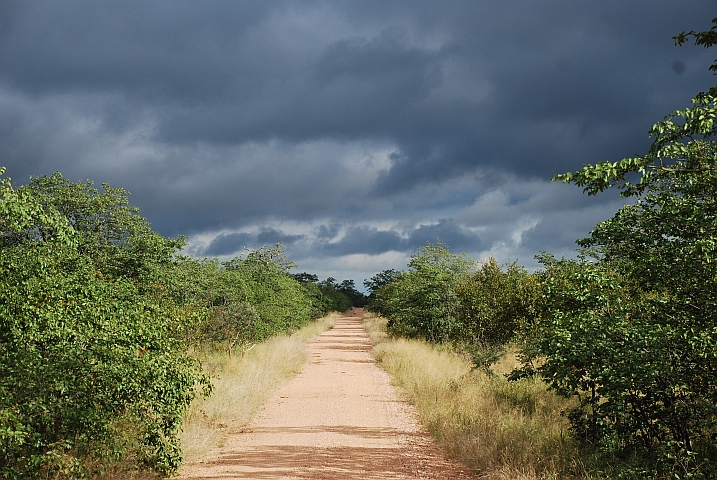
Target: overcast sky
point(352, 131)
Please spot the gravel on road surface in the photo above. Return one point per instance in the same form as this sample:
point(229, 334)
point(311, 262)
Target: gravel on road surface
point(340, 418)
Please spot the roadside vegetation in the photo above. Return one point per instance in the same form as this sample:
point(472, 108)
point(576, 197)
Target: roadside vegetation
point(625, 334)
point(242, 384)
point(500, 429)
point(107, 334)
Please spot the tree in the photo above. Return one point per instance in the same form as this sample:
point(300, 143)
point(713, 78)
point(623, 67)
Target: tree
point(423, 303)
point(378, 289)
point(306, 277)
point(348, 288)
point(379, 280)
point(93, 365)
point(231, 324)
point(633, 334)
point(107, 228)
point(438, 255)
point(495, 300)
point(706, 38)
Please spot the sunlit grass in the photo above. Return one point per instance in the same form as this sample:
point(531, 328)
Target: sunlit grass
point(242, 384)
point(500, 429)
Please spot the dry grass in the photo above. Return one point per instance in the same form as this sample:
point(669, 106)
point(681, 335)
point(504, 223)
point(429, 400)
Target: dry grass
point(242, 384)
point(500, 429)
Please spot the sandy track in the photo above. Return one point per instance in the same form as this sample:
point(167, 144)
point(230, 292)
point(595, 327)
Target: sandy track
point(338, 419)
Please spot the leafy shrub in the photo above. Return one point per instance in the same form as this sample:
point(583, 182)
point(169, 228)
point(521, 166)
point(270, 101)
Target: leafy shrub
point(443, 298)
point(246, 299)
point(377, 294)
point(107, 228)
point(494, 303)
point(633, 335)
point(83, 353)
point(232, 324)
point(330, 295)
point(422, 303)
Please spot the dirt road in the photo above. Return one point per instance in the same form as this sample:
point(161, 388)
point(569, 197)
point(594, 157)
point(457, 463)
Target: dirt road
point(338, 419)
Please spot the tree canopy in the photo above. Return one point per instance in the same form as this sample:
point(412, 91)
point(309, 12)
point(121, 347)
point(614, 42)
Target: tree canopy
point(632, 332)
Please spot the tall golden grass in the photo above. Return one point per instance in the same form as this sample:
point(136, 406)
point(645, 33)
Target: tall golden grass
point(500, 429)
point(242, 384)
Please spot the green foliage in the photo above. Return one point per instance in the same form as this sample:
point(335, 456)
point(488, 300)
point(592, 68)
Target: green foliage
point(330, 295)
point(444, 298)
point(438, 256)
point(422, 303)
point(232, 324)
point(107, 229)
point(494, 303)
point(643, 371)
point(21, 218)
point(376, 298)
point(245, 300)
point(97, 317)
point(705, 38)
point(87, 351)
point(633, 335)
point(348, 288)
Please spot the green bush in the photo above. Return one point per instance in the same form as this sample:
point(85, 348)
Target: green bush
point(422, 303)
point(444, 298)
point(85, 353)
point(331, 296)
point(377, 294)
point(106, 228)
point(494, 303)
point(245, 300)
point(633, 334)
point(97, 318)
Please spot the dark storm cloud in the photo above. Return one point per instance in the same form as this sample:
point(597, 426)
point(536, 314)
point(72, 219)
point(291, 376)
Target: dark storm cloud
point(368, 126)
point(327, 232)
point(354, 240)
point(158, 50)
point(234, 243)
point(447, 232)
point(214, 75)
point(227, 244)
point(365, 240)
point(212, 78)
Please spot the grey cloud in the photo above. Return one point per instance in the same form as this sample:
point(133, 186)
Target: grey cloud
point(228, 244)
point(384, 122)
point(452, 234)
point(362, 239)
point(327, 232)
point(365, 240)
point(208, 78)
point(234, 243)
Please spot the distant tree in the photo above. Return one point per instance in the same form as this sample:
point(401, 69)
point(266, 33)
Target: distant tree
point(306, 277)
point(348, 287)
point(379, 280)
point(378, 289)
point(495, 301)
point(423, 302)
